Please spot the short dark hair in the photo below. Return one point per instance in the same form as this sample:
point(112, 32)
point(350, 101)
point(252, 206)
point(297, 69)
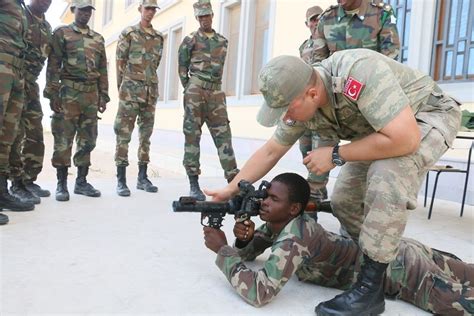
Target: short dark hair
point(298, 188)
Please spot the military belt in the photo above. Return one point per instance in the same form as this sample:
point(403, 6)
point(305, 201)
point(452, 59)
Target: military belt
point(80, 86)
point(204, 84)
point(12, 60)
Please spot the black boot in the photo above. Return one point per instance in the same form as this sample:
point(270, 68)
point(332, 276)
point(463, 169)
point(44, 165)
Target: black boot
point(8, 202)
point(36, 189)
point(122, 188)
point(3, 219)
point(19, 191)
point(62, 194)
point(142, 182)
point(364, 298)
point(82, 186)
point(195, 190)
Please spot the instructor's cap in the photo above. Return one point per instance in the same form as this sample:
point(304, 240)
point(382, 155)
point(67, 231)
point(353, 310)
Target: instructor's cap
point(313, 11)
point(202, 7)
point(80, 4)
point(149, 3)
point(281, 80)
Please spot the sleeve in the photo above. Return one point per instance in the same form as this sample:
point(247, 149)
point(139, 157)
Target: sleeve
point(382, 98)
point(103, 78)
point(260, 242)
point(321, 50)
point(388, 36)
point(53, 69)
point(260, 287)
point(288, 135)
point(184, 60)
point(121, 56)
point(162, 40)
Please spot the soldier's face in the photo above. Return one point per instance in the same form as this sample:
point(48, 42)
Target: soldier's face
point(301, 109)
point(82, 15)
point(313, 23)
point(205, 22)
point(147, 13)
point(350, 4)
point(276, 207)
point(40, 6)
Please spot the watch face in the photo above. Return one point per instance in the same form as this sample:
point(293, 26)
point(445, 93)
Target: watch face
point(338, 162)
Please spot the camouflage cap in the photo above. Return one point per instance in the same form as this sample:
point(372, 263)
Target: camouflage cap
point(311, 12)
point(202, 7)
point(281, 80)
point(149, 3)
point(82, 4)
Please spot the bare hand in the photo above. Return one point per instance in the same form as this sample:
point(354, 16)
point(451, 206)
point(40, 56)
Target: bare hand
point(55, 105)
point(220, 195)
point(214, 238)
point(244, 230)
point(102, 106)
point(319, 161)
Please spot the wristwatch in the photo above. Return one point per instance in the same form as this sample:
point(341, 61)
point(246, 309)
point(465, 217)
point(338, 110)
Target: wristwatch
point(336, 159)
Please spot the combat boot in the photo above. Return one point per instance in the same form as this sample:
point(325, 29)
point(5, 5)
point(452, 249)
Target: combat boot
point(122, 188)
point(62, 194)
point(143, 183)
point(364, 298)
point(3, 219)
point(195, 190)
point(36, 189)
point(82, 186)
point(8, 202)
point(21, 193)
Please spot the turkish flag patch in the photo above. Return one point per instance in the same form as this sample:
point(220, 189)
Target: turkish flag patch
point(353, 88)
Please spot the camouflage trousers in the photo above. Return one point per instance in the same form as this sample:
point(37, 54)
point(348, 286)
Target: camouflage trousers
point(371, 199)
point(11, 105)
point(27, 152)
point(129, 112)
point(207, 106)
point(435, 281)
point(78, 119)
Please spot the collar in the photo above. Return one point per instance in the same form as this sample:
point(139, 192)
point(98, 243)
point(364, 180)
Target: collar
point(142, 29)
point(201, 34)
point(76, 28)
point(341, 13)
point(328, 83)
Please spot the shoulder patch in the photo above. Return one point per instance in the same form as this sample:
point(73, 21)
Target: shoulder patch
point(353, 88)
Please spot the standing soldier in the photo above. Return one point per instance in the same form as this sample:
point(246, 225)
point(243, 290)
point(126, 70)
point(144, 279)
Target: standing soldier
point(27, 153)
point(77, 86)
point(12, 48)
point(201, 62)
point(139, 53)
point(309, 138)
point(357, 24)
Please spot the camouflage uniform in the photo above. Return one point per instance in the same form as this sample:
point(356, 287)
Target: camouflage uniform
point(13, 26)
point(373, 27)
point(77, 74)
point(432, 280)
point(138, 56)
point(27, 154)
point(372, 198)
point(201, 62)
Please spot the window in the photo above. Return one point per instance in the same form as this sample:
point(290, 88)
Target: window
point(402, 10)
point(230, 72)
point(453, 44)
point(260, 42)
point(173, 79)
point(108, 8)
point(129, 3)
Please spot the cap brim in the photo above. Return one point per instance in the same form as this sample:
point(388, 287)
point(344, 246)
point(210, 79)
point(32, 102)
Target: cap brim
point(151, 6)
point(268, 116)
point(84, 6)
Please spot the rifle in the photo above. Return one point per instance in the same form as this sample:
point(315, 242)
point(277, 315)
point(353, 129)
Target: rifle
point(243, 205)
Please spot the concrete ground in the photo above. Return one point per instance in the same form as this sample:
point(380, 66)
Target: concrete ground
point(134, 256)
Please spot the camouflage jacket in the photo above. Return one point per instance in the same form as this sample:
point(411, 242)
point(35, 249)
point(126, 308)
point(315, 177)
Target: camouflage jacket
point(13, 27)
point(374, 27)
point(38, 38)
point(78, 57)
point(138, 57)
point(315, 255)
point(307, 51)
point(202, 57)
point(366, 91)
